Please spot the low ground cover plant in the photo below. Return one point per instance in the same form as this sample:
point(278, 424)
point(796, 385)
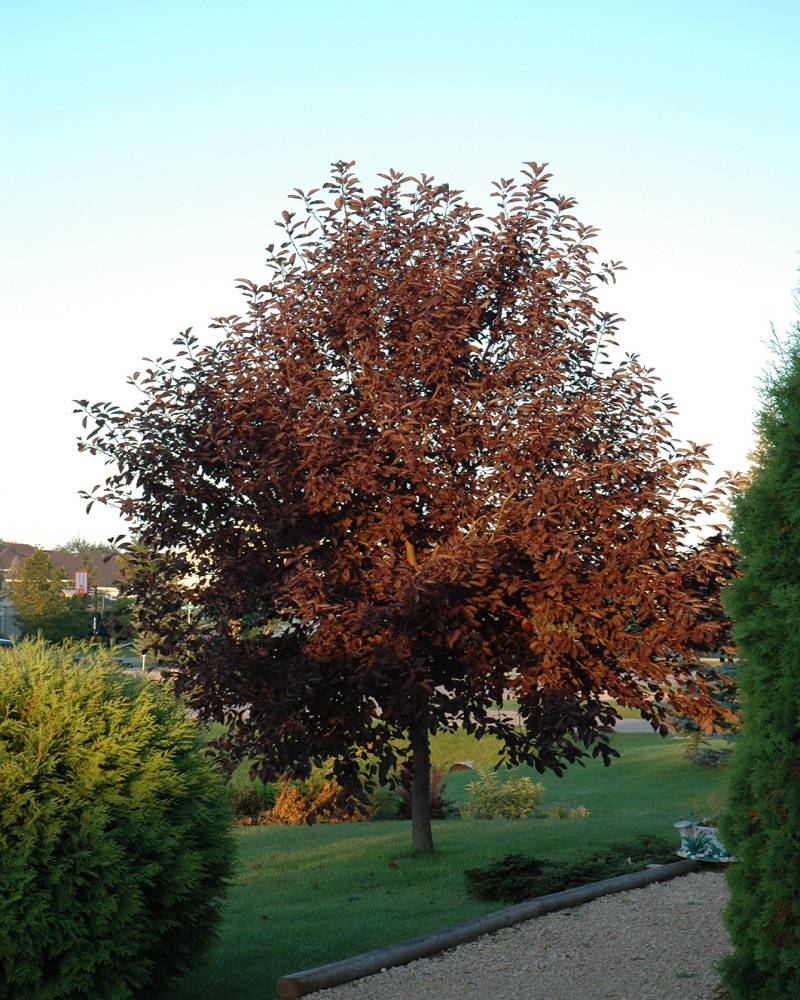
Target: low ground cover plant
point(517, 877)
point(115, 839)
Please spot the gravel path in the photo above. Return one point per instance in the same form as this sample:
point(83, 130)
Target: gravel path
point(658, 943)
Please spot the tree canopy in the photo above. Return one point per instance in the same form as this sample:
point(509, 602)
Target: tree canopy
point(41, 605)
point(417, 474)
point(82, 546)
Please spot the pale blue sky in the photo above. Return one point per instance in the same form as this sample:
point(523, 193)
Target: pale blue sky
point(148, 146)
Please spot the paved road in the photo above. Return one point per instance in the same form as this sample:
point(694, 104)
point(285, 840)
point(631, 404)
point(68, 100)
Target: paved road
point(633, 726)
point(622, 726)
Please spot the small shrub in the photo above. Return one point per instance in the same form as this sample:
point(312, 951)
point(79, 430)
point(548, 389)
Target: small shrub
point(388, 803)
point(491, 798)
point(115, 838)
point(704, 755)
point(249, 801)
point(297, 801)
point(317, 799)
point(518, 877)
point(698, 749)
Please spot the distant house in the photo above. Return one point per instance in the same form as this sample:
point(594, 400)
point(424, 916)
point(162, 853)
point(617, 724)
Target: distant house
point(105, 574)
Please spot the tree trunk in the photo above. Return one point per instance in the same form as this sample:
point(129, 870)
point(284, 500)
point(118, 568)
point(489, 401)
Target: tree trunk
point(421, 835)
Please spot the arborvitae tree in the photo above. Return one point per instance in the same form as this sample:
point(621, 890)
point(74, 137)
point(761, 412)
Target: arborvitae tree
point(115, 838)
point(762, 824)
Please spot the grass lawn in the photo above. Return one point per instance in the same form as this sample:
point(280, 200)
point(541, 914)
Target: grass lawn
point(304, 896)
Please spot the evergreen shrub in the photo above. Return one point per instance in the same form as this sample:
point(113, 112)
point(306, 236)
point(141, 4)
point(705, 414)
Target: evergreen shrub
point(699, 749)
point(248, 801)
point(115, 837)
point(518, 877)
point(761, 824)
point(387, 804)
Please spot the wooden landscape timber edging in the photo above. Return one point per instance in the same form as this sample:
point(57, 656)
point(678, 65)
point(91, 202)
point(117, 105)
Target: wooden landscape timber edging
point(298, 984)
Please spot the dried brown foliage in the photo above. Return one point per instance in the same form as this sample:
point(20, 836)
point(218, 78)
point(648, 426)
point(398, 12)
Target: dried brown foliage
point(420, 451)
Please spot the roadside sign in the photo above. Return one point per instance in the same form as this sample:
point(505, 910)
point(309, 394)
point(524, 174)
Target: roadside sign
point(81, 582)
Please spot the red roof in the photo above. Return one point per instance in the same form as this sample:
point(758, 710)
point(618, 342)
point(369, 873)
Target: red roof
point(106, 571)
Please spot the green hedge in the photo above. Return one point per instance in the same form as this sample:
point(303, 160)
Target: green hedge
point(115, 839)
